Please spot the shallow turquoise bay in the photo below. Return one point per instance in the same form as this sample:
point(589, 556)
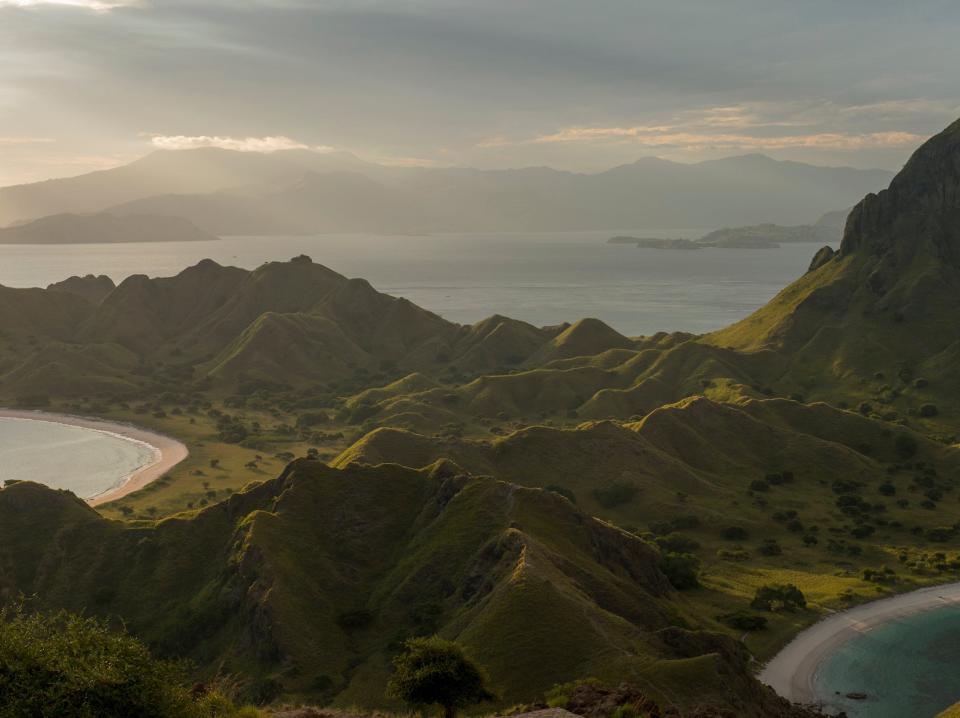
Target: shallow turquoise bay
point(909, 668)
point(84, 461)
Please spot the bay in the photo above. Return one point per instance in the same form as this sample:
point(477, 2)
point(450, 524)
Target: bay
point(84, 461)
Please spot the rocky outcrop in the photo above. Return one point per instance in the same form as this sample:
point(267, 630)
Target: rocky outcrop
point(92, 288)
point(920, 209)
point(823, 255)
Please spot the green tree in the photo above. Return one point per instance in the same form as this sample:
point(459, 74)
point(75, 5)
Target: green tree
point(433, 670)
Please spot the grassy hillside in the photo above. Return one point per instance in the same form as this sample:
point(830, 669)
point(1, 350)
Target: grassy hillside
point(537, 591)
point(760, 492)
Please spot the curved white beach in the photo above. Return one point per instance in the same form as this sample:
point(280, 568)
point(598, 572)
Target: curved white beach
point(792, 672)
point(167, 452)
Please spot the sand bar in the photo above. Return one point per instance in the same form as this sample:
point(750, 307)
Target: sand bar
point(793, 671)
point(168, 452)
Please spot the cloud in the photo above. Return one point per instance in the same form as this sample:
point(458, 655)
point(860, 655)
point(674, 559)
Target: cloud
point(662, 137)
point(95, 5)
point(745, 127)
point(241, 144)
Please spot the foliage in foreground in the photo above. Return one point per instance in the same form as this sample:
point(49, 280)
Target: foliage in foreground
point(67, 666)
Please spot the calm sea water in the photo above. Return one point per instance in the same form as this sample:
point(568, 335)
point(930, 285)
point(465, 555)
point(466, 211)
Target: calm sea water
point(907, 668)
point(540, 278)
point(85, 461)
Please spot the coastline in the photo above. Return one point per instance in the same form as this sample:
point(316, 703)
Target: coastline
point(168, 452)
point(793, 671)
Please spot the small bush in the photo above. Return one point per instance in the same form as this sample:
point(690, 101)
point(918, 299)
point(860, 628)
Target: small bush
point(786, 597)
point(744, 621)
point(677, 543)
point(615, 495)
point(928, 410)
point(60, 665)
point(770, 547)
point(734, 533)
point(905, 446)
point(682, 569)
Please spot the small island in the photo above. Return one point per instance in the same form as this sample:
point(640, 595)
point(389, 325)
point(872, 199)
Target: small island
point(755, 236)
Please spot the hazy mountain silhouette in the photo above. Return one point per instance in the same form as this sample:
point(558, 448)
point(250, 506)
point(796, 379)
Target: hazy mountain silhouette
point(301, 191)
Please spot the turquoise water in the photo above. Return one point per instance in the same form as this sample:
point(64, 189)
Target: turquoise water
point(84, 461)
point(909, 668)
point(541, 278)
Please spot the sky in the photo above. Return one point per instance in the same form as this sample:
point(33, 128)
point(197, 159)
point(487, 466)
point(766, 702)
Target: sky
point(582, 86)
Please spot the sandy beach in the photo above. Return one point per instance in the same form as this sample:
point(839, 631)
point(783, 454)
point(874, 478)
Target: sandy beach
point(792, 672)
point(168, 452)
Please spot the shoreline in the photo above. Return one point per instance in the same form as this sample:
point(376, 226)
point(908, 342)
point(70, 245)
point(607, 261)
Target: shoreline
point(792, 672)
point(168, 452)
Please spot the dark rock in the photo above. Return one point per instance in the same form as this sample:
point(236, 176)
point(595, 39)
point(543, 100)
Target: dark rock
point(823, 255)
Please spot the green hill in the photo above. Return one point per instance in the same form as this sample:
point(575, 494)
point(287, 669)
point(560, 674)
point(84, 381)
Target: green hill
point(307, 584)
point(293, 323)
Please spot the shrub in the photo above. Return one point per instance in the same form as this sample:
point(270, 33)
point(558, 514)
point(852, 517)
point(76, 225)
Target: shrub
point(629, 710)
point(928, 410)
point(734, 533)
point(677, 543)
point(786, 597)
point(759, 485)
point(681, 569)
point(770, 547)
point(905, 446)
point(615, 495)
point(432, 670)
point(678, 523)
point(744, 621)
point(60, 665)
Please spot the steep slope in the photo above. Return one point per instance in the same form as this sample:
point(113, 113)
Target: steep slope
point(393, 552)
point(881, 311)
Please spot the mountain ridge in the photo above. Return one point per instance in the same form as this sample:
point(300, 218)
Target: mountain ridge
point(229, 192)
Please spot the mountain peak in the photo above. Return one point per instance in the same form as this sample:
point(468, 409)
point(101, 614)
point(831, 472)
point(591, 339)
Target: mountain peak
point(920, 208)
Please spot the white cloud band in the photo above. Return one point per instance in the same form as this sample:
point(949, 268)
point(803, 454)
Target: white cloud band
point(240, 144)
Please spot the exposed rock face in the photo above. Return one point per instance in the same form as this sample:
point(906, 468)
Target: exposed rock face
point(823, 255)
point(920, 209)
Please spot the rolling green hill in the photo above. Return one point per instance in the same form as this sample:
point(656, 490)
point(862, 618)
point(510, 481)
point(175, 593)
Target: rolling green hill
point(293, 323)
point(307, 584)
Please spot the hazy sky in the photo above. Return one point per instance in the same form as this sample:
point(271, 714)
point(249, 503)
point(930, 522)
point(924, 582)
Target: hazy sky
point(581, 85)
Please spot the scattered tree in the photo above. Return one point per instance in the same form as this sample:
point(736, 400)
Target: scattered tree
point(435, 671)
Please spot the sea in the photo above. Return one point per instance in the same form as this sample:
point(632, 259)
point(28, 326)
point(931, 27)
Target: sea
point(84, 461)
point(544, 279)
point(906, 668)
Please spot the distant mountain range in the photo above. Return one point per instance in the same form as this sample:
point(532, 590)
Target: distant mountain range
point(102, 228)
point(302, 192)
